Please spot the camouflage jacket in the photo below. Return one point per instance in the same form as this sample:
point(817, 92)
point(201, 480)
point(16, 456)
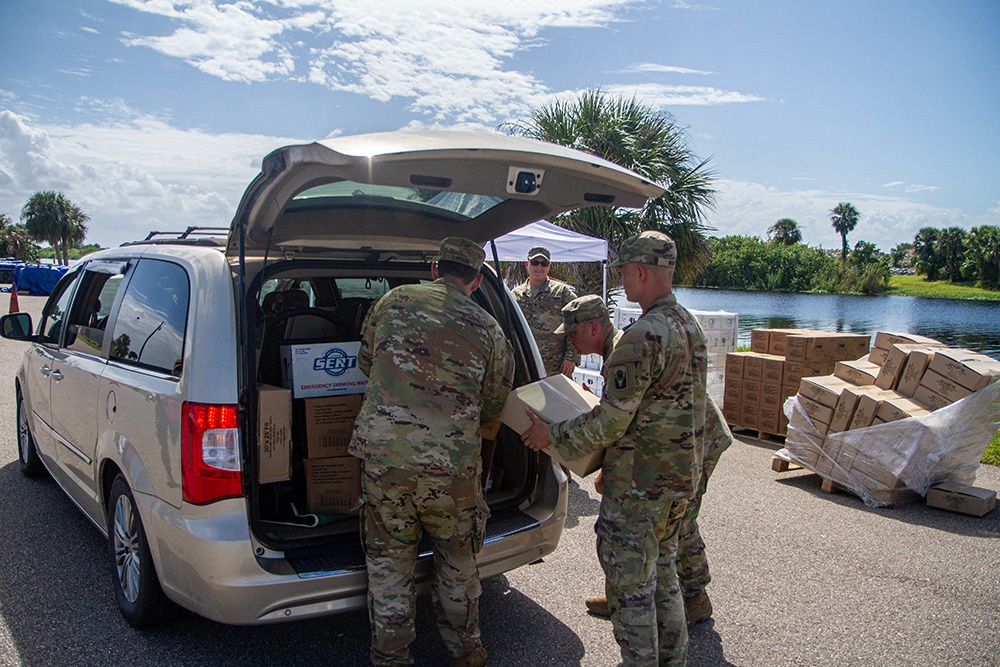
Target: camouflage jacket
point(438, 365)
point(542, 307)
point(652, 415)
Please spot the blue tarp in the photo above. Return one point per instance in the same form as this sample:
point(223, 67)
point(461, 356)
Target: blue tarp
point(36, 280)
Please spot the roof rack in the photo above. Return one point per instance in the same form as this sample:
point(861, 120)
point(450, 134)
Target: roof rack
point(208, 236)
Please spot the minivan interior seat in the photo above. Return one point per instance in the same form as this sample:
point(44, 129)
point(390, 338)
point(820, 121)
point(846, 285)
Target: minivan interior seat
point(288, 320)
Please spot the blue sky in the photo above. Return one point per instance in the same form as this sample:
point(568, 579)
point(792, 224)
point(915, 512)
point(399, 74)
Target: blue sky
point(155, 114)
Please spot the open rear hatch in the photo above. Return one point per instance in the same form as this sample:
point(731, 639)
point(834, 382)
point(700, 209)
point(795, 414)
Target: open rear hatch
point(329, 227)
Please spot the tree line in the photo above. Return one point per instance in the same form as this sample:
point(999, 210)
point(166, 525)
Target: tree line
point(958, 256)
point(48, 217)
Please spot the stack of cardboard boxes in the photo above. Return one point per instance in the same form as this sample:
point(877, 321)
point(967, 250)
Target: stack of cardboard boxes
point(915, 375)
point(314, 412)
point(758, 382)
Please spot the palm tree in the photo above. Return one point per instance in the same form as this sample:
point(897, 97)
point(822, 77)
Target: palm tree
point(51, 217)
point(15, 241)
point(648, 142)
point(785, 231)
point(844, 218)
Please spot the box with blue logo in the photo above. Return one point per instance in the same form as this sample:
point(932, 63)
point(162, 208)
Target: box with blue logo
point(322, 369)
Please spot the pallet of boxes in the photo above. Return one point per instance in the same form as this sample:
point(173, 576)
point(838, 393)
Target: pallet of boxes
point(911, 414)
point(758, 382)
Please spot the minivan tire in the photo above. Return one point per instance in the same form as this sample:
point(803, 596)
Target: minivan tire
point(137, 588)
point(27, 453)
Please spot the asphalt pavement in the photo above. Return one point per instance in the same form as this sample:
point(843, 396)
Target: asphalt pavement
point(801, 577)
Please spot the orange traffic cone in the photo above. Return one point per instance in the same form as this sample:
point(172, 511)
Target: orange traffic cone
point(14, 307)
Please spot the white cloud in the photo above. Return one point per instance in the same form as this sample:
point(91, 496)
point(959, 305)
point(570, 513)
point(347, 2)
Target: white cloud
point(130, 176)
point(662, 95)
point(893, 184)
point(449, 59)
point(653, 68)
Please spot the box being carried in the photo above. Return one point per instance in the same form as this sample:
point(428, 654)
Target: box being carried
point(554, 399)
point(322, 369)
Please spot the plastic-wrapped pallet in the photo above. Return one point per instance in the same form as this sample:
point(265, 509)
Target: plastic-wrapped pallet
point(721, 329)
point(889, 463)
point(590, 379)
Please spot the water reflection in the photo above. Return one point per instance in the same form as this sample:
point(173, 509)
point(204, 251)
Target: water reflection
point(970, 324)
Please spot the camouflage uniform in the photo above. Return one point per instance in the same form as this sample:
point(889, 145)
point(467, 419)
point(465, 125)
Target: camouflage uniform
point(692, 564)
point(438, 366)
point(652, 420)
point(542, 308)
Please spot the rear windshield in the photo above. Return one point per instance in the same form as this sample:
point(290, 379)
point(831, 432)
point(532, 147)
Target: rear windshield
point(456, 206)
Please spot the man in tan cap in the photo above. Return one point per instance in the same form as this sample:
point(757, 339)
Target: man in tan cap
point(541, 298)
point(651, 419)
point(439, 366)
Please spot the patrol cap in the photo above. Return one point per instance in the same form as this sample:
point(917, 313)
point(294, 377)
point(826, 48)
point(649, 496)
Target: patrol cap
point(539, 251)
point(462, 251)
point(650, 247)
point(582, 309)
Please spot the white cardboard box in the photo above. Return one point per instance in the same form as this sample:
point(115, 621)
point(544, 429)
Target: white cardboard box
point(554, 399)
point(322, 369)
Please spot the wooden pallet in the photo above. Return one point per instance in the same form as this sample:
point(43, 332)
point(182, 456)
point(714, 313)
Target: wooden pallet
point(763, 436)
point(781, 463)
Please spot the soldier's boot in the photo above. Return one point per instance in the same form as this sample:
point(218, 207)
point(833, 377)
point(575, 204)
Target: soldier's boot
point(598, 606)
point(474, 658)
point(697, 608)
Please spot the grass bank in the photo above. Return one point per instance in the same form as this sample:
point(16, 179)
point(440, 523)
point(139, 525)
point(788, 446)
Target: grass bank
point(992, 455)
point(938, 289)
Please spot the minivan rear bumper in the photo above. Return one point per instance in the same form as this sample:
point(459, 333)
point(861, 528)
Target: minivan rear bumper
point(206, 562)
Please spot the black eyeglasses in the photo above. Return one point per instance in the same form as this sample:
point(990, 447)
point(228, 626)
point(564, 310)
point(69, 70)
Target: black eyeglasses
point(539, 262)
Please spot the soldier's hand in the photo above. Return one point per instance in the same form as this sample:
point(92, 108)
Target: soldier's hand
point(567, 368)
point(599, 481)
point(537, 436)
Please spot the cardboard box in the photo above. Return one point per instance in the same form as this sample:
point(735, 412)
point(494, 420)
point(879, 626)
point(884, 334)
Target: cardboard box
point(734, 365)
point(751, 393)
point(771, 398)
point(794, 371)
point(823, 389)
point(731, 411)
point(942, 386)
point(868, 402)
point(859, 373)
point(964, 367)
point(913, 371)
point(877, 355)
point(329, 423)
point(274, 434)
point(894, 409)
point(972, 500)
point(554, 399)
point(322, 369)
point(759, 340)
point(816, 411)
point(733, 390)
point(886, 339)
point(750, 415)
point(772, 369)
point(753, 366)
point(767, 420)
point(843, 411)
point(333, 485)
point(823, 346)
point(894, 363)
point(926, 396)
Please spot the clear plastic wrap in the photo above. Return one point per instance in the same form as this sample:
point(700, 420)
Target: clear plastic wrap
point(888, 464)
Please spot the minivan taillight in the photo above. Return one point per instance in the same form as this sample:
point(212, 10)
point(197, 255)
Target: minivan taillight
point(210, 453)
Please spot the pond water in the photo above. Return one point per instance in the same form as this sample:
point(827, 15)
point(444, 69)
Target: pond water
point(970, 324)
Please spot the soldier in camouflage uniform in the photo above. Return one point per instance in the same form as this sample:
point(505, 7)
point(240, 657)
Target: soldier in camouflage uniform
point(652, 420)
point(588, 327)
point(438, 366)
point(541, 298)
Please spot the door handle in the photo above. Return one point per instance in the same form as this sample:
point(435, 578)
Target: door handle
point(56, 375)
point(45, 370)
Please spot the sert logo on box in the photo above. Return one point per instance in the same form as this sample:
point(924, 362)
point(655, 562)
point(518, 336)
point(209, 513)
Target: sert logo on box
point(335, 362)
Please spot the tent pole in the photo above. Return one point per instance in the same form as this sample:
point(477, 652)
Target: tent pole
point(604, 280)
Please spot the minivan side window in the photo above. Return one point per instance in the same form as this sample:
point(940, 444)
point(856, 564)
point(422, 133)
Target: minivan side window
point(152, 321)
point(89, 318)
point(56, 309)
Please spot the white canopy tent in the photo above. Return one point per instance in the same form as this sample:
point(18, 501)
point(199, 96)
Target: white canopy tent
point(565, 246)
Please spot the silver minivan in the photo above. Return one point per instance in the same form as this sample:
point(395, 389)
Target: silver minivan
point(139, 394)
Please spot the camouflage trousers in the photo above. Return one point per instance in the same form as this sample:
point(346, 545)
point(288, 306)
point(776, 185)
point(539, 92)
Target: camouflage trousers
point(399, 507)
point(637, 544)
point(692, 563)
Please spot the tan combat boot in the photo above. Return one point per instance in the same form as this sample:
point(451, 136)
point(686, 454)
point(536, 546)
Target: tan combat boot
point(598, 606)
point(697, 608)
point(474, 658)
